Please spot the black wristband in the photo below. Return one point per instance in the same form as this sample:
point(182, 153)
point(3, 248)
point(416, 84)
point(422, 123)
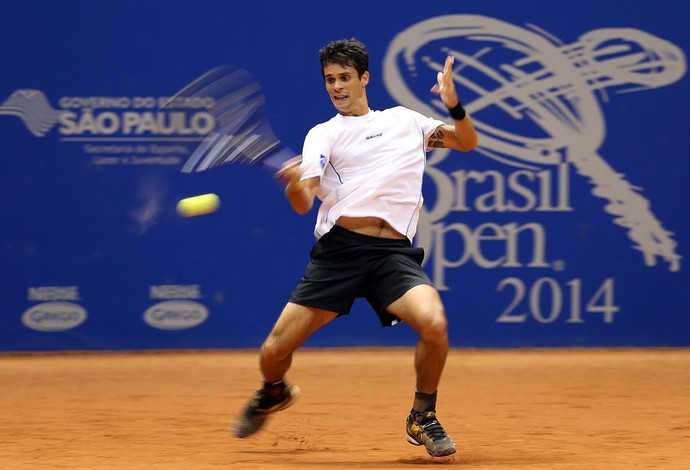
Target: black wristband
point(458, 112)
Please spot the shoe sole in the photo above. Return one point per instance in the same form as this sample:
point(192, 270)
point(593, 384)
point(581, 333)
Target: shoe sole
point(413, 440)
point(243, 429)
point(294, 391)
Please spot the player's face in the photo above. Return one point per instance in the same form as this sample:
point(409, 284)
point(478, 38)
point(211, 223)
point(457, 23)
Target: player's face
point(346, 89)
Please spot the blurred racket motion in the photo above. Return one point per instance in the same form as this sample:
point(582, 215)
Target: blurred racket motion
point(242, 133)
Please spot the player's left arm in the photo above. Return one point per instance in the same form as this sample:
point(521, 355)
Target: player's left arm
point(462, 135)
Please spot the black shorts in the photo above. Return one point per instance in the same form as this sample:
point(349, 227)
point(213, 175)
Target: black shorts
point(346, 265)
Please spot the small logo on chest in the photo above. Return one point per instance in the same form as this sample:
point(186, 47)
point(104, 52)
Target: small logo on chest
point(373, 136)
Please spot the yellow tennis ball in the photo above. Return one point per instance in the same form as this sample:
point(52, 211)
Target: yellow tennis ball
point(198, 205)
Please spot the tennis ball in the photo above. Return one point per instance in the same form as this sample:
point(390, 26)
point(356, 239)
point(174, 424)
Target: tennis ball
point(198, 205)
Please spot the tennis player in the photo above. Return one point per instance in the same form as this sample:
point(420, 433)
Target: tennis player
point(366, 167)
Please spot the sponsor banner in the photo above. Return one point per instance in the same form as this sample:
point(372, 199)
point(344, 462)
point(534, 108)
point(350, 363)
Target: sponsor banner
point(116, 130)
point(567, 226)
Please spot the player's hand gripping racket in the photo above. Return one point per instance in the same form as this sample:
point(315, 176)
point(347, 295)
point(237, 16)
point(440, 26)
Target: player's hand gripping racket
point(242, 133)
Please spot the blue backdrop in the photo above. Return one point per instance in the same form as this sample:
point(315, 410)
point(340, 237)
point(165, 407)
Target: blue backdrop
point(568, 226)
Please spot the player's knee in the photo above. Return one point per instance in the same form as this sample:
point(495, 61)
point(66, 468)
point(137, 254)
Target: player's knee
point(434, 326)
point(273, 349)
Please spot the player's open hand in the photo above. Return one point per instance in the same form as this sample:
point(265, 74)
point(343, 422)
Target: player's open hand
point(445, 86)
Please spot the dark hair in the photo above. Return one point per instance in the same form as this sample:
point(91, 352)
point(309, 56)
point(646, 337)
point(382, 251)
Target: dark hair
point(346, 52)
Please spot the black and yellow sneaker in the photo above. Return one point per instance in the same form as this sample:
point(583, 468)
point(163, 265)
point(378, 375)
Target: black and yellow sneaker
point(424, 429)
point(261, 406)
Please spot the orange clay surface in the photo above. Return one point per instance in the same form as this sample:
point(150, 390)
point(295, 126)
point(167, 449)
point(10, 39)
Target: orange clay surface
point(527, 409)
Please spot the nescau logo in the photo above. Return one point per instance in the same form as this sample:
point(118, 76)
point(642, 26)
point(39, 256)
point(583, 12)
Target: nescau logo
point(175, 315)
point(54, 316)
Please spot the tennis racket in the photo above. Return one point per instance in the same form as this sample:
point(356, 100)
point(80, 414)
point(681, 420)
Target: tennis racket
point(242, 133)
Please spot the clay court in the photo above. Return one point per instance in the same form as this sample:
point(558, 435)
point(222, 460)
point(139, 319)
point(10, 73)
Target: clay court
point(527, 409)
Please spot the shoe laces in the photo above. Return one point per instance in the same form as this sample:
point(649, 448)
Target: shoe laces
point(430, 425)
point(261, 400)
point(258, 400)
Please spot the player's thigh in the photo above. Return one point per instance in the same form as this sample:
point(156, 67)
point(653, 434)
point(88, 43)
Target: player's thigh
point(295, 324)
point(421, 308)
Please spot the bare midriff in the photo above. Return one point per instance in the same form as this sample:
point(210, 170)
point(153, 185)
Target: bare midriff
point(371, 226)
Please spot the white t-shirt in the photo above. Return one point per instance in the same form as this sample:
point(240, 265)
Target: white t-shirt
point(370, 166)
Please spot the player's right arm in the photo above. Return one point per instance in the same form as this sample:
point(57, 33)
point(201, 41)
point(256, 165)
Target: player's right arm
point(300, 193)
point(302, 179)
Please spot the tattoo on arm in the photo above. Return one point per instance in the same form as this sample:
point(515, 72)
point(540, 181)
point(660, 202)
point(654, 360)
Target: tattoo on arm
point(436, 139)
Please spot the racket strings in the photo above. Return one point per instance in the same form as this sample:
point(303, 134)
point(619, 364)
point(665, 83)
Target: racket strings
point(242, 133)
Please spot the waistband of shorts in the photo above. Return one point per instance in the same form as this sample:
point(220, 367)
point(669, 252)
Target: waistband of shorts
point(343, 233)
